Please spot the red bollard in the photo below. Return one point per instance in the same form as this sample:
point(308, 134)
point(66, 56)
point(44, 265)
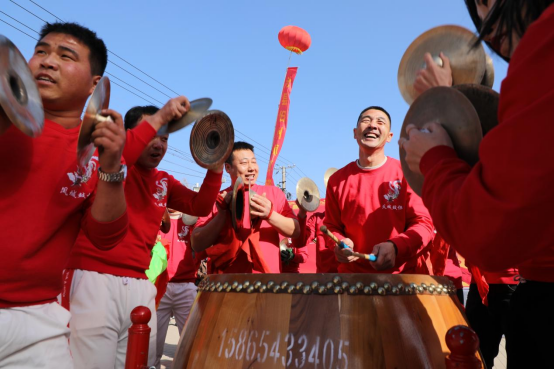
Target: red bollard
point(139, 339)
point(463, 344)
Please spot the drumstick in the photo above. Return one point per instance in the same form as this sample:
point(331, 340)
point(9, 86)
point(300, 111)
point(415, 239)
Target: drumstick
point(342, 245)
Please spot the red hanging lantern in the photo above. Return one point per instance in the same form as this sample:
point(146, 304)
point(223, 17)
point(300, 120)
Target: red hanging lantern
point(294, 39)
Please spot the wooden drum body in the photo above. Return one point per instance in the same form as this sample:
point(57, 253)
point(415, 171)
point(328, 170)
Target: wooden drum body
point(319, 321)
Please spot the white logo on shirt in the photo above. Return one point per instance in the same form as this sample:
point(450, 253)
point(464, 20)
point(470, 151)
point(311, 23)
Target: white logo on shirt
point(394, 190)
point(184, 232)
point(77, 178)
point(161, 191)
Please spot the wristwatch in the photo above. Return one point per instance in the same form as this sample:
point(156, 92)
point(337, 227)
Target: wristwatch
point(113, 177)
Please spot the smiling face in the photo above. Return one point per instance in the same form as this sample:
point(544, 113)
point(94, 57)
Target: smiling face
point(499, 41)
point(243, 165)
point(61, 68)
point(372, 131)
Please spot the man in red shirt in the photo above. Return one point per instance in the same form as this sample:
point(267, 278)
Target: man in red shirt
point(101, 316)
point(497, 213)
point(266, 215)
point(371, 208)
point(182, 267)
point(42, 174)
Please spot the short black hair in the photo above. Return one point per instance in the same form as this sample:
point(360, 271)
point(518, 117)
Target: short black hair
point(133, 115)
point(511, 15)
point(374, 108)
point(98, 56)
point(239, 145)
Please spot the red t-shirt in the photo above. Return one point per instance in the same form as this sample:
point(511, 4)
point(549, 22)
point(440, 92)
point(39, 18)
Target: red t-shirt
point(269, 237)
point(181, 265)
point(498, 214)
point(148, 193)
point(39, 177)
point(374, 206)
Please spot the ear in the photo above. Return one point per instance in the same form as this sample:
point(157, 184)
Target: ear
point(95, 80)
point(354, 131)
point(228, 168)
point(390, 136)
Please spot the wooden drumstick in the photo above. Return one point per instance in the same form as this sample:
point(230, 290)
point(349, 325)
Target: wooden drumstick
point(342, 245)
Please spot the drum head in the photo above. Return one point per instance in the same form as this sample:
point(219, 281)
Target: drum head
point(19, 95)
point(456, 114)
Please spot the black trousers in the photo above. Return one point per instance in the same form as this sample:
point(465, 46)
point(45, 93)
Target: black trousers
point(531, 327)
point(490, 322)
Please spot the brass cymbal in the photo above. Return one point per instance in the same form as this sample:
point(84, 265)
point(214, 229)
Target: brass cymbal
point(197, 109)
point(212, 139)
point(457, 43)
point(237, 203)
point(307, 194)
point(485, 101)
point(488, 78)
point(19, 95)
point(449, 107)
point(99, 100)
point(189, 219)
point(328, 173)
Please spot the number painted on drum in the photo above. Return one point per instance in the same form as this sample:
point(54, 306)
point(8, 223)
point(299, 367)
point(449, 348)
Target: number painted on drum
point(305, 352)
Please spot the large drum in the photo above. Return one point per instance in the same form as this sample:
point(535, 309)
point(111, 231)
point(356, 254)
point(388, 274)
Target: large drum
point(319, 321)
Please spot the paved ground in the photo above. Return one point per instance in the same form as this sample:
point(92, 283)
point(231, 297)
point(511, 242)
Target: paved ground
point(173, 338)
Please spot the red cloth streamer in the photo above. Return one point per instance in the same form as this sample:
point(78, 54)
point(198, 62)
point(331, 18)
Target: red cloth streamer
point(482, 285)
point(281, 125)
point(230, 246)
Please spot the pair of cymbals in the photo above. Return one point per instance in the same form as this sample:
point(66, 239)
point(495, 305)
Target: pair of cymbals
point(19, 95)
point(468, 59)
point(237, 202)
point(198, 108)
point(99, 100)
point(212, 139)
point(307, 194)
point(466, 112)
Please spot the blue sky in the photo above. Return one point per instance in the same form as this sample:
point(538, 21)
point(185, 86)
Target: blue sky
point(228, 51)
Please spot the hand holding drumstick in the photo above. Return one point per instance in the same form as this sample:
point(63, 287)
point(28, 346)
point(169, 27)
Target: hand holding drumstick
point(342, 245)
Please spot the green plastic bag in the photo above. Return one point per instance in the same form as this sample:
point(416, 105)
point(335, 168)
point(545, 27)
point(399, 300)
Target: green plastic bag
point(158, 263)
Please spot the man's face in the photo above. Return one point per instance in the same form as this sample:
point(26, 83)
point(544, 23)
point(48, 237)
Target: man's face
point(243, 165)
point(154, 152)
point(373, 130)
point(61, 68)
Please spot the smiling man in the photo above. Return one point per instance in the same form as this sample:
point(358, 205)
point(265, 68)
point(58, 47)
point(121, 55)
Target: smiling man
point(371, 208)
point(254, 247)
point(106, 287)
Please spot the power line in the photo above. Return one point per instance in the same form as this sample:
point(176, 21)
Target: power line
point(46, 10)
point(174, 171)
point(28, 11)
point(111, 52)
point(23, 24)
point(19, 29)
point(135, 89)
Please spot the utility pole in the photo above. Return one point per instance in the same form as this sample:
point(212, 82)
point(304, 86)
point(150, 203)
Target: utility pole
point(284, 173)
